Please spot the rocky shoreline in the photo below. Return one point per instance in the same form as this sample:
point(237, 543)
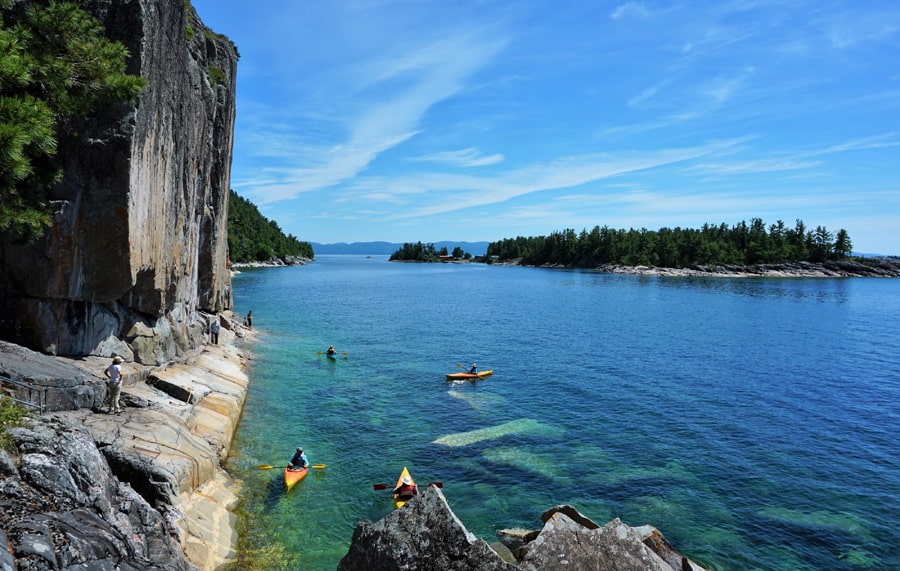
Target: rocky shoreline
point(141, 490)
point(887, 267)
point(272, 263)
point(146, 490)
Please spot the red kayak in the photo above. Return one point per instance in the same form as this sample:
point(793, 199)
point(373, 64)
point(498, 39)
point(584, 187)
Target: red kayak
point(291, 477)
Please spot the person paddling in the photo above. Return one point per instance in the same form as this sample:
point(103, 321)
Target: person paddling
point(406, 490)
point(331, 350)
point(298, 461)
point(474, 369)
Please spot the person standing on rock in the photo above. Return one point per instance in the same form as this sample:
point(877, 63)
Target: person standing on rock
point(214, 331)
point(114, 385)
point(249, 320)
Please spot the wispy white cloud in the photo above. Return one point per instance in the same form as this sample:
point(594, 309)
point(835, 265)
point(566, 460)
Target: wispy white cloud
point(756, 166)
point(648, 93)
point(470, 157)
point(389, 111)
point(630, 9)
point(850, 30)
point(724, 88)
point(447, 193)
point(881, 141)
point(797, 160)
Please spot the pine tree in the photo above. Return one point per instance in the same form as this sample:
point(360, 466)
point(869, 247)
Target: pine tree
point(55, 65)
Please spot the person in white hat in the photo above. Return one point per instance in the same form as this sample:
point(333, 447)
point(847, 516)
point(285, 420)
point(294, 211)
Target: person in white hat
point(406, 489)
point(114, 385)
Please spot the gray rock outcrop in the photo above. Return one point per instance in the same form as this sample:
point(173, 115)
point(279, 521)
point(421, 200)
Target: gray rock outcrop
point(426, 534)
point(62, 507)
point(139, 238)
point(143, 489)
point(47, 383)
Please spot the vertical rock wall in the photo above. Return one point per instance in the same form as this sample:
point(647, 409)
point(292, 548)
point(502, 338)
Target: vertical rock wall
point(139, 242)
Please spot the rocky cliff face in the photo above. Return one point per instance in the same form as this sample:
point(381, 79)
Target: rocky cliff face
point(139, 241)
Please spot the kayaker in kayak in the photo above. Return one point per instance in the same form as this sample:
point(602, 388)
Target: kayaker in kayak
point(298, 460)
point(331, 350)
point(406, 490)
point(474, 369)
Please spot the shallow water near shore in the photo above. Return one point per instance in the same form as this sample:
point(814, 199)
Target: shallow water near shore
point(752, 421)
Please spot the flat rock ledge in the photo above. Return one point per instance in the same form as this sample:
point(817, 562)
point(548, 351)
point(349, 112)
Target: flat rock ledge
point(426, 534)
point(144, 490)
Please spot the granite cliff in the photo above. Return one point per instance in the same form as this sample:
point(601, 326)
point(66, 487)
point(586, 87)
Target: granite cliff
point(135, 265)
point(139, 238)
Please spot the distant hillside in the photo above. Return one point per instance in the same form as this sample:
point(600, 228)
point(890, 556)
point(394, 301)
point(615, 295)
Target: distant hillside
point(388, 248)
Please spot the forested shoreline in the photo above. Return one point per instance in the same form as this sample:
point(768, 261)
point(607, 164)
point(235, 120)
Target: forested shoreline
point(712, 245)
point(254, 238)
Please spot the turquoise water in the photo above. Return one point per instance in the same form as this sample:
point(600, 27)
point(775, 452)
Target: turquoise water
point(753, 421)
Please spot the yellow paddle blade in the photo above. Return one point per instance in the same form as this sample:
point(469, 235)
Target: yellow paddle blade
point(265, 467)
point(319, 466)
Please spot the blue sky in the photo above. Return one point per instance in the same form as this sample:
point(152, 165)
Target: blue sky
point(422, 120)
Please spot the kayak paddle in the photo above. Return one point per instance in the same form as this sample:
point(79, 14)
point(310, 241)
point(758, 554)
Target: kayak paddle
point(314, 466)
point(378, 487)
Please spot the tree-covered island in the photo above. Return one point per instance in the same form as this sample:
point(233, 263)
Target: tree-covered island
point(712, 245)
point(419, 252)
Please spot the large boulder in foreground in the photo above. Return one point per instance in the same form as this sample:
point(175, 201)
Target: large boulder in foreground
point(426, 534)
point(564, 543)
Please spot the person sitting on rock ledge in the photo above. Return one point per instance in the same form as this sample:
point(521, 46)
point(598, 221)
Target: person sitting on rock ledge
point(298, 460)
point(406, 490)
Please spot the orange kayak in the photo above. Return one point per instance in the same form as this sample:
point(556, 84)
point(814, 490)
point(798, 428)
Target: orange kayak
point(469, 376)
point(291, 477)
point(398, 501)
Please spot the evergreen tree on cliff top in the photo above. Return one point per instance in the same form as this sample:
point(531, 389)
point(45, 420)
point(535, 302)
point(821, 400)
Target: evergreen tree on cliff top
point(55, 65)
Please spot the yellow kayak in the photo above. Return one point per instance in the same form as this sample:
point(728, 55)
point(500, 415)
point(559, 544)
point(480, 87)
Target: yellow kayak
point(405, 478)
point(469, 376)
point(291, 477)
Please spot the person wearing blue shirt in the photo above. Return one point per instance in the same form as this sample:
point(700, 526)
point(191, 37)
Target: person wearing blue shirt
point(298, 460)
point(474, 369)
